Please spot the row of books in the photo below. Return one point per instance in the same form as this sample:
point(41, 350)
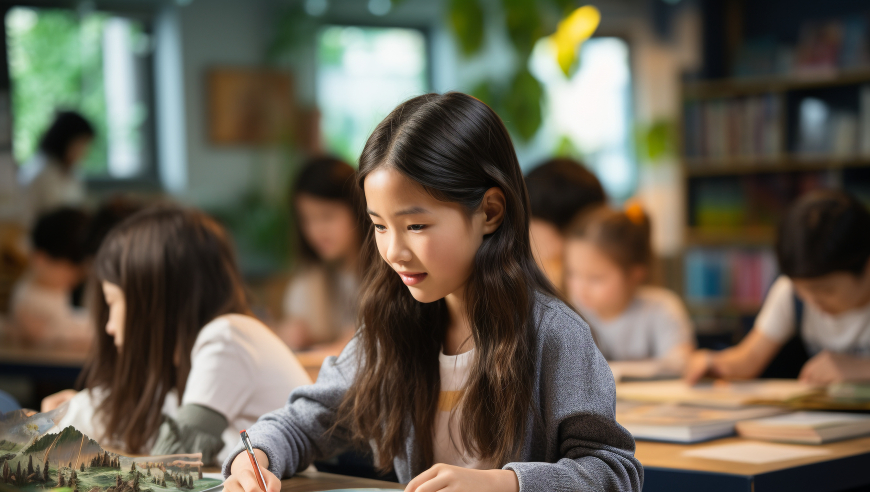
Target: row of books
point(823, 47)
point(733, 128)
point(827, 131)
point(672, 411)
point(735, 277)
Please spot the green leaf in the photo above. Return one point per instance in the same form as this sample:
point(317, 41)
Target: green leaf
point(466, 19)
point(487, 92)
point(524, 25)
point(522, 104)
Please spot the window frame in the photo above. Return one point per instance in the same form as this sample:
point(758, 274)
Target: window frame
point(149, 178)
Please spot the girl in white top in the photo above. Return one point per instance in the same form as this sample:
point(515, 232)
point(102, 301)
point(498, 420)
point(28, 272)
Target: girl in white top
point(823, 249)
point(49, 178)
point(320, 303)
point(173, 324)
point(643, 331)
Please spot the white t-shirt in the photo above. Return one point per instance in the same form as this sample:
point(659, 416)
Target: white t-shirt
point(845, 333)
point(448, 438)
point(325, 317)
point(239, 368)
point(654, 323)
point(47, 186)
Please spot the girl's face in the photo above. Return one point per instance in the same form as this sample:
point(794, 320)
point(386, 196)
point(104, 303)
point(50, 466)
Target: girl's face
point(117, 311)
point(78, 149)
point(328, 226)
point(595, 282)
point(431, 244)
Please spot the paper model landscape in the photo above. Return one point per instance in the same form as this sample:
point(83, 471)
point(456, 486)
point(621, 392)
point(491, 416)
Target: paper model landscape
point(33, 455)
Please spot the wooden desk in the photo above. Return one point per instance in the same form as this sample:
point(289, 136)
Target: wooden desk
point(317, 481)
point(667, 469)
point(42, 356)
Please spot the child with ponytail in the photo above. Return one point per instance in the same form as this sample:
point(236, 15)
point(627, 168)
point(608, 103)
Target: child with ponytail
point(641, 330)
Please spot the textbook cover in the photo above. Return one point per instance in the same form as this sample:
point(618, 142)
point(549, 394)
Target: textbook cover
point(34, 454)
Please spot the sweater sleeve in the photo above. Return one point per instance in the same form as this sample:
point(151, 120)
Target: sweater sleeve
point(301, 431)
point(591, 451)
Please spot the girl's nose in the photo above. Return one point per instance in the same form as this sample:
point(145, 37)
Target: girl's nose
point(397, 250)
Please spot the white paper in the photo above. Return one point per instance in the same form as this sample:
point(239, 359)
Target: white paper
point(755, 453)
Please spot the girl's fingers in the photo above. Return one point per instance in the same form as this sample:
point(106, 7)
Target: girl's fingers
point(273, 483)
point(248, 481)
point(434, 485)
point(421, 479)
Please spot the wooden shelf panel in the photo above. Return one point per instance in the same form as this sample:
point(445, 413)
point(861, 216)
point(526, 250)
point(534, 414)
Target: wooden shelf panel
point(763, 165)
point(737, 236)
point(766, 85)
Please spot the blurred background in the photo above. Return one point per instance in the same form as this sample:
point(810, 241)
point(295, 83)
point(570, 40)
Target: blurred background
point(714, 114)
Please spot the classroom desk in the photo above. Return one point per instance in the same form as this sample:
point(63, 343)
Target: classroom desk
point(46, 369)
point(317, 481)
point(666, 469)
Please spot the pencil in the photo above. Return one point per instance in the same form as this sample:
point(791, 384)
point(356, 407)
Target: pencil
point(257, 473)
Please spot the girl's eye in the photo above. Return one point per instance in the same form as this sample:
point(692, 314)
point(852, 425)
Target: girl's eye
point(380, 227)
point(416, 227)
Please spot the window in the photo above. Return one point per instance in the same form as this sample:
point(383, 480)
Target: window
point(592, 109)
point(363, 73)
point(95, 63)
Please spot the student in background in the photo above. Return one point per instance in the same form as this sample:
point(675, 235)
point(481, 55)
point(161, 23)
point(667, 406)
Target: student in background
point(41, 307)
point(468, 371)
point(642, 330)
point(49, 179)
point(558, 189)
point(818, 308)
point(320, 303)
point(179, 365)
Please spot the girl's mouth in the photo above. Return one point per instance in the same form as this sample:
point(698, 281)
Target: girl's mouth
point(412, 278)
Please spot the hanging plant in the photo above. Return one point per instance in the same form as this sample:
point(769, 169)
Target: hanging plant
point(526, 22)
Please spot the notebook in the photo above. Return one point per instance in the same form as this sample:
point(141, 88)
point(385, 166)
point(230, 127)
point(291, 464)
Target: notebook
point(684, 424)
point(719, 394)
point(807, 427)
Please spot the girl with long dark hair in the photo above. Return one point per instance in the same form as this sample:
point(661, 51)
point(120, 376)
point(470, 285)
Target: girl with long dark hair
point(320, 303)
point(468, 371)
point(178, 364)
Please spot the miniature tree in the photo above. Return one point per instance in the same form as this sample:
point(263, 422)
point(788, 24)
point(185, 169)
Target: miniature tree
point(18, 472)
point(61, 482)
point(6, 472)
point(45, 473)
point(30, 465)
point(82, 468)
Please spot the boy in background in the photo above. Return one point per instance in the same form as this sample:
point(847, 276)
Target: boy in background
point(559, 189)
point(41, 309)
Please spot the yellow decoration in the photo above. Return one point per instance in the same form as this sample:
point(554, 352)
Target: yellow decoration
point(571, 32)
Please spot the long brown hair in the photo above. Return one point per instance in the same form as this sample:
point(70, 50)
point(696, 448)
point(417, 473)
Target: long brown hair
point(178, 272)
point(457, 148)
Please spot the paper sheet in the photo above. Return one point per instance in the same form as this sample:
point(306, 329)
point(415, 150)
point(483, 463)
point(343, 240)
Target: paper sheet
point(755, 453)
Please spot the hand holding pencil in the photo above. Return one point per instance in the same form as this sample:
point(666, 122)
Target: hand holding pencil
point(251, 473)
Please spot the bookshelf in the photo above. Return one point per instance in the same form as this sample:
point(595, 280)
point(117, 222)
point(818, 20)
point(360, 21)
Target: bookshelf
point(749, 147)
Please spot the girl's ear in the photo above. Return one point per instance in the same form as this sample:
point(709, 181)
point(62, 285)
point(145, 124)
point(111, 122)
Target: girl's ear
point(492, 206)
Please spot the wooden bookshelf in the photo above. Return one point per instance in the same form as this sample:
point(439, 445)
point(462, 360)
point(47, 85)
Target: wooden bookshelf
point(756, 150)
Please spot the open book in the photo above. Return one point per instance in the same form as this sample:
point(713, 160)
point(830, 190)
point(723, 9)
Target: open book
point(681, 423)
point(807, 427)
point(719, 394)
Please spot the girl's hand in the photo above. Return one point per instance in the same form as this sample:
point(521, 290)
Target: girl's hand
point(700, 364)
point(828, 367)
point(51, 402)
point(242, 478)
point(457, 479)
